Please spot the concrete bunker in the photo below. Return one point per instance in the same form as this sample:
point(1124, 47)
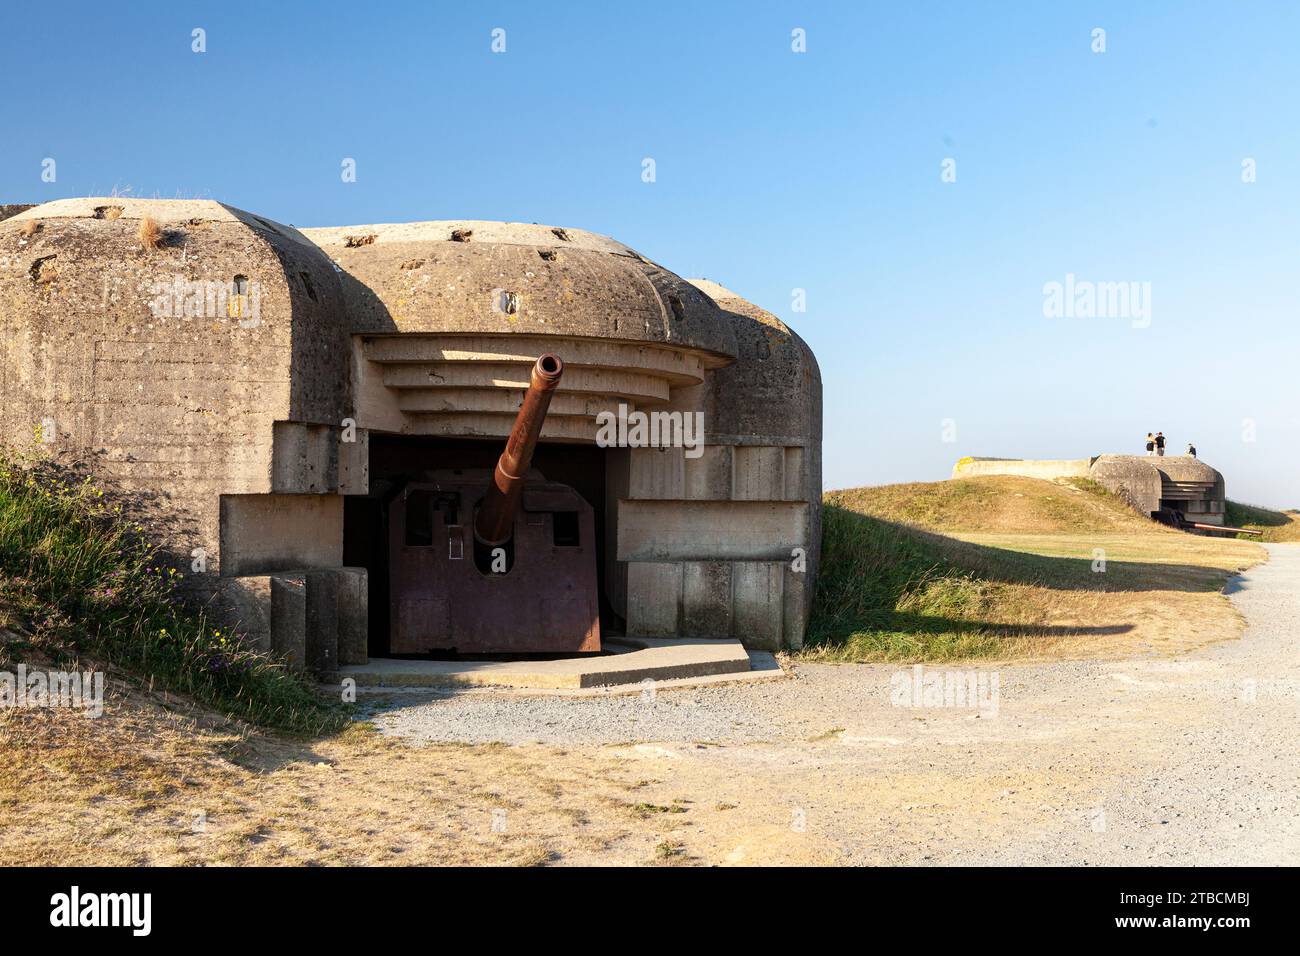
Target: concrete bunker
point(267, 439)
point(1179, 490)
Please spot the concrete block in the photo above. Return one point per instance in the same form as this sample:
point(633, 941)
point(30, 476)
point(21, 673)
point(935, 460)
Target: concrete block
point(708, 477)
point(315, 459)
point(706, 599)
point(795, 480)
point(247, 602)
point(654, 597)
point(617, 467)
point(353, 614)
point(289, 619)
point(657, 473)
point(303, 458)
point(635, 660)
point(758, 473)
point(796, 604)
point(710, 530)
point(758, 602)
point(263, 534)
point(354, 464)
point(322, 620)
point(337, 625)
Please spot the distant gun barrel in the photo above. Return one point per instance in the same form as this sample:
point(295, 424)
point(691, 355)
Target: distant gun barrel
point(1176, 519)
point(494, 524)
point(1222, 527)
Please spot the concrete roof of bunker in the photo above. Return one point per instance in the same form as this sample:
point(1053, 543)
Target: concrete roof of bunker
point(475, 276)
point(1174, 467)
point(164, 211)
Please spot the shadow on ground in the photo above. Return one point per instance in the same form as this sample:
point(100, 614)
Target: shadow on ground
point(882, 577)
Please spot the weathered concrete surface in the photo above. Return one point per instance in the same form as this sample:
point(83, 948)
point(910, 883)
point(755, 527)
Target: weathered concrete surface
point(1047, 469)
point(645, 660)
point(315, 619)
point(265, 533)
point(234, 429)
point(248, 601)
point(417, 277)
point(142, 364)
point(352, 599)
point(707, 530)
point(289, 619)
point(1187, 483)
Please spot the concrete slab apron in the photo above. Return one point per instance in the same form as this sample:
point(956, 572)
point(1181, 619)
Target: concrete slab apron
point(636, 661)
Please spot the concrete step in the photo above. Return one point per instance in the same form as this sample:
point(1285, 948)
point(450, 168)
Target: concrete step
point(633, 661)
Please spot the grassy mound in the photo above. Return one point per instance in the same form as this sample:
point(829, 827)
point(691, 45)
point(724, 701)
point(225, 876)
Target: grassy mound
point(1274, 525)
point(999, 504)
point(76, 579)
point(1009, 577)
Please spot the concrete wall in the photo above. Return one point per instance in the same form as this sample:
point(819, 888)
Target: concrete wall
point(1047, 469)
point(1134, 480)
point(1189, 484)
point(132, 363)
point(728, 543)
point(235, 436)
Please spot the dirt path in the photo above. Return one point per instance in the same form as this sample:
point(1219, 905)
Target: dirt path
point(1187, 759)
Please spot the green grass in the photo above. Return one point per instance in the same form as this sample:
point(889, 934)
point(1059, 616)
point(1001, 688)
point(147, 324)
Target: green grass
point(887, 592)
point(77, 579)
point(894, 591)
point(1274, 525)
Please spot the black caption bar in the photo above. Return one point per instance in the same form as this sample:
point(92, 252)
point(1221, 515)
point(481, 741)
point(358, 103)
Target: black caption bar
point(139, 906)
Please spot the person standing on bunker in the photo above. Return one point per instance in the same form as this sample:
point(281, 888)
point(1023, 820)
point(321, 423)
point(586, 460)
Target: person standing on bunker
point(1151, 444)
point(1160, 444)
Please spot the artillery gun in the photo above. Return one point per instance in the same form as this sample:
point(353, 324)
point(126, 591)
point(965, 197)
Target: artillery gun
point(495, 563)
point(1176, 519)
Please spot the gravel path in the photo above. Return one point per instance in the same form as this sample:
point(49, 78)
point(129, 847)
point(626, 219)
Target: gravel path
point(1190, 759)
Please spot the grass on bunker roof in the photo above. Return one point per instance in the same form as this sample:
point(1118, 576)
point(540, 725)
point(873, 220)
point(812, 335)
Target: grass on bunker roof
point(1008, 567)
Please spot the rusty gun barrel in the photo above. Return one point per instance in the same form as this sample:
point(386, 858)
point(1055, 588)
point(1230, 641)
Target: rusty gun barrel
point(1223, 527)
point(494, 523)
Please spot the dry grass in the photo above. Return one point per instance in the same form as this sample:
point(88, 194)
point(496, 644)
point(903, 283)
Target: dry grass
point(150, 234)
point(1272, 525)
point(1160, 592)
point(131, 788)
point(1012, 568)
point(995, 504)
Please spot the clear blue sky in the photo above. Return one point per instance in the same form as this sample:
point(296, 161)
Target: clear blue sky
point(777, 171)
